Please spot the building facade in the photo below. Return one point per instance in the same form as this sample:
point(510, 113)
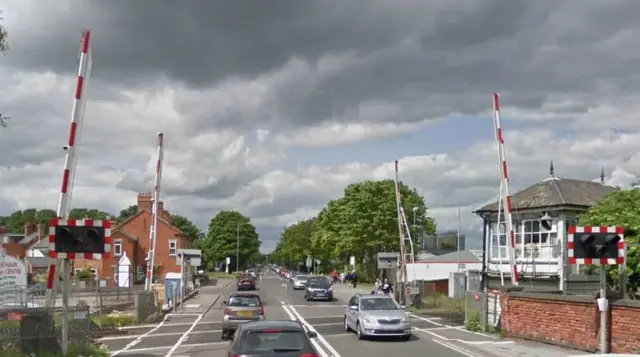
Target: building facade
point(131, 238)
point(541, 215)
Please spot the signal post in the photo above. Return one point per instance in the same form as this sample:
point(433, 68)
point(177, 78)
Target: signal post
point(590, 245)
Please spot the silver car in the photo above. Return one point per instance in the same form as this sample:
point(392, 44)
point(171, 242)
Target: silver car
point(300, 282)
point(376, 316)
point(240, 308)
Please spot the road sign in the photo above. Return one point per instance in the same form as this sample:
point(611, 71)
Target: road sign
point(228, 260)
point(589, 245)
point(309, 261)
point(352, 261)
point(318, 261)
point(411, 290)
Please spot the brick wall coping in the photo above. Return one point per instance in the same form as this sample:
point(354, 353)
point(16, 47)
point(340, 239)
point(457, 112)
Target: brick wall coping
point(558, 296)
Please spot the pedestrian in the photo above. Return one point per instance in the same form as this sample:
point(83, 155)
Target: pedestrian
point(342, 277)
point(334, 276)
point(354, 278)
point(377, 286)
point(387, 287)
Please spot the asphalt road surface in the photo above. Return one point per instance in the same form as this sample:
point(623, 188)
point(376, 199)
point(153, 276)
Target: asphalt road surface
point(195, 330)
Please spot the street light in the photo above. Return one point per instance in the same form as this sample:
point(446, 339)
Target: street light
point(415, 209)
point(238, 245)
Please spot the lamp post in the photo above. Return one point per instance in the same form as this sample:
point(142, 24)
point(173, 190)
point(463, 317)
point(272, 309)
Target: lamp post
point(414, 209)
point(237, 248)
point(458, 240)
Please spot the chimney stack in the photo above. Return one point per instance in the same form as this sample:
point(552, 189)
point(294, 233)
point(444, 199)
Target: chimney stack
point(30, 228)
point(145, 200)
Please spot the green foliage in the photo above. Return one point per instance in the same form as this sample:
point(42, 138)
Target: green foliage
point(4, 44)
point(127, 213)
point(75, 350)
point(620, 208)
point(84, 274)
point(15, 221)
point(295, 243)
point(473, 322)
point(226, 230)
point(361, 223)
point(186, 227)
point(114, 320)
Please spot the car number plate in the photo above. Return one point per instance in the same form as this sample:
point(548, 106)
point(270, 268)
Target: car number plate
point(245, 313)
point(320, 294)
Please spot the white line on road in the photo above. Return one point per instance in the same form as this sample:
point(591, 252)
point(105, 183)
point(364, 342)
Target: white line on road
point(460, 328)
point(177, 314)
point(184, 336)
point(133, 327)
point(139, 339)
point(315, 343)
point(128, 337)
point(468, 342)
point(311, 328)
point(455, 348)
point(188, 345)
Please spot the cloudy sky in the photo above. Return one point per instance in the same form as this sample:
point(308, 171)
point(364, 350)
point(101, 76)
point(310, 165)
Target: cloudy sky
point(272, 107)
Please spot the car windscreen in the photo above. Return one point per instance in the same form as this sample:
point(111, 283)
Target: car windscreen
point(244, 301)
point(317, 281)
point(302, 277)
point(273, 341)
point(378, 304)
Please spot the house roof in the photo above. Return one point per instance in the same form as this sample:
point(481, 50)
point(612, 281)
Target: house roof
point(123, 224)
point(555, 191)
point(125, 233)
point(464, 257)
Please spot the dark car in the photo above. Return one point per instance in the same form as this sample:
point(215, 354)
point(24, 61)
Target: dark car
point(318, 288)
point(282, 338)
point(246, 282)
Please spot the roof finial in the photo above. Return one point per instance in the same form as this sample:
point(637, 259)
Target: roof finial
point(602, 175)
point(551, 169)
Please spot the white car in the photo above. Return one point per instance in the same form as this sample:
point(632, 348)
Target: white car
point(300, 282)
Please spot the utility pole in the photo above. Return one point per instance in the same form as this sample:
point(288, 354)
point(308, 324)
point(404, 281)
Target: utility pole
point(237, 248)
point(458, 240)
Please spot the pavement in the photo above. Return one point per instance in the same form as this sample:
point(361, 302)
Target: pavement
point(195, 330)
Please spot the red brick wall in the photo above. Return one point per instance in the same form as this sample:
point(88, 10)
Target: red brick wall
point(569, 320)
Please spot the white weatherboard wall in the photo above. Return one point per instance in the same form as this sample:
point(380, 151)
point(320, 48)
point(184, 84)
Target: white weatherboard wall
point(437, 271)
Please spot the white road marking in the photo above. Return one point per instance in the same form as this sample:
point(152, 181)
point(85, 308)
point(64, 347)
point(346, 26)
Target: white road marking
point(193, 306)
point(184, 336)
point(311, 328)
point(189, 315)
point(459, 328)
point(127, 337)
point(326, 317)
point(139, 339)
point(133, 327)
point(468, 342)
point(315, 343)
point(160, 348)
point(455, 348)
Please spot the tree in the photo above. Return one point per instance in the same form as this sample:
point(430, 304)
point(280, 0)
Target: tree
point(364, 221)
point(127, 213)
point(295, 243)
point(15, 221)
point(186, 227)
point(226, 230)
point(620, 208)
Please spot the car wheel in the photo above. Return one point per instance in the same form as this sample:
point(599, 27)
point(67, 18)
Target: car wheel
point(406, 337)
point(346, 325)
point(359, 331)
point(224, 334)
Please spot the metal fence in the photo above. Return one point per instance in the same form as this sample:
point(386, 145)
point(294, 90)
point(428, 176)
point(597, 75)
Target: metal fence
point(475, 310)
point(37, 329)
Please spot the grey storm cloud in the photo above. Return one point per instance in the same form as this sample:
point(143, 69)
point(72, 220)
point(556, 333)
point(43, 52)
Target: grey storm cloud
point(431, 60)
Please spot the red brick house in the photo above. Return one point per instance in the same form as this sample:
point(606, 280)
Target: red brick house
point(131, 237)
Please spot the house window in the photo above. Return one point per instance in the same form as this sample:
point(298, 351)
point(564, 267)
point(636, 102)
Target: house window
point(117, 247)
point(173, 245)
point(499, 242)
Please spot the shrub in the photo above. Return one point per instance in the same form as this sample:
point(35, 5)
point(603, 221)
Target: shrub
point(114, 320)
point(473, 322)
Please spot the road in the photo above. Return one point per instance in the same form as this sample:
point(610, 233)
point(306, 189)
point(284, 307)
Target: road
point(195, 330)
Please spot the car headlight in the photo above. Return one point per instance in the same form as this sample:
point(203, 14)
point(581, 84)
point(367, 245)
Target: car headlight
point(405, 320)
point(309, 289)
point(330, 289)
point(367, 320)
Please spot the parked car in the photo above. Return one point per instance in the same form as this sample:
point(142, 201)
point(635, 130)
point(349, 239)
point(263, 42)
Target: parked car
point(318, 288)
point(240, 308)
point(282, 338)
point(375, 316)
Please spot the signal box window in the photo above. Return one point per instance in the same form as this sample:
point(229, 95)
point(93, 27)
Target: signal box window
point(173, 245)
